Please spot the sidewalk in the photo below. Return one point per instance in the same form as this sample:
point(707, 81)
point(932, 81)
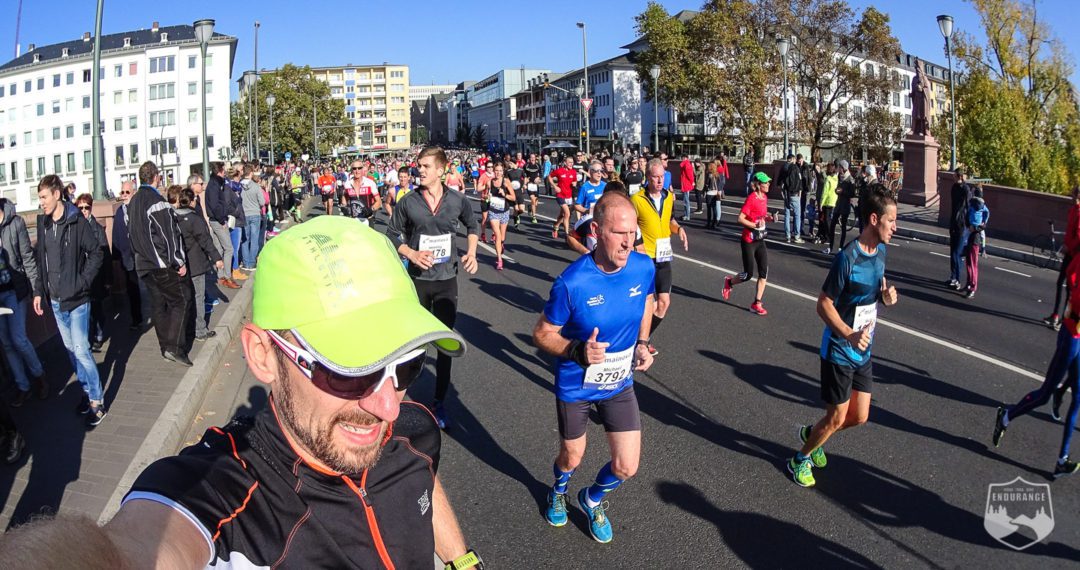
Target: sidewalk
point(921, 223)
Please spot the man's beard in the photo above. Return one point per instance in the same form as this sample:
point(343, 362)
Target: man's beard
point(319, 439)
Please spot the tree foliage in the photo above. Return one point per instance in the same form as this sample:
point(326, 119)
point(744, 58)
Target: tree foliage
point(1017, 115)
point(298, 95)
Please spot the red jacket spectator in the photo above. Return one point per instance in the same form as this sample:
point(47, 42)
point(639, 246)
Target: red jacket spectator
point(686, 175)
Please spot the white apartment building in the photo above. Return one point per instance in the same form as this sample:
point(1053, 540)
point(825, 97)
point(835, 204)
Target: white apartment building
point(376, 104)
point(422, 92)
point(150, 108)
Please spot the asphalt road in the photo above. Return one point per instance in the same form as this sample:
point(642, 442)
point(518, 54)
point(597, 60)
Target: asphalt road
point(720, 409)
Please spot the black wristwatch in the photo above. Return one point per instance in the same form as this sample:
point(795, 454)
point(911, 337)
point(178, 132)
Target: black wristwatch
point(468, 560)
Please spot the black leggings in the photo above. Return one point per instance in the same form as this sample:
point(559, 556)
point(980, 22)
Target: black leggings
point(753, 253)
point(840, 216)
point(440, 299)
point(1062, 290)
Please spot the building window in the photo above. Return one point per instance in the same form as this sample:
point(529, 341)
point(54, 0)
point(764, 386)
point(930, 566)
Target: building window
point(907, 101)
point(11, 89)
point(161, 64)
point(118, 124)
point(193, 143)
point(134, 158)
point(69, 131)
point(896, 98)
point(56, 133)
point(69, 105)
point(133, 95)
point(41, 166)
point(209, 141)
point(3, 173)
point(397, 74)
point(56, 80)
point(133, 68)
point(56, 106)
point(117, 97)
point(70, 162)
point(40, 83)
point(192, 115)
point(162, 119)
point(69, 79)
point(86, 102)
point(162, 91)
point(191, 61)
point(88, 160)
point(192, 88)
point(86, 129)
point(28, 169)
point(57, 162)
point(133, 122)
point(209, 87)
point(209, 114)
point(118, 70)
point(120, 156)
point(40, 108)
point(86, 76)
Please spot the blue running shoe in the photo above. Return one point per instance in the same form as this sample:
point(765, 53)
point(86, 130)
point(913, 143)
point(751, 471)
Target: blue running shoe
point(556, 511)
point(441, 417)
point(599, 525)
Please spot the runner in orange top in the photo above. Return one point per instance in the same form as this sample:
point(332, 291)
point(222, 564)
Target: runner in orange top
point(326, 184)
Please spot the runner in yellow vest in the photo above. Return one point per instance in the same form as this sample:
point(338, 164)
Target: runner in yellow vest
point(657, 226)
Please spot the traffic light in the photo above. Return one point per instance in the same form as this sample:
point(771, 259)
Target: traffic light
point(583, 133)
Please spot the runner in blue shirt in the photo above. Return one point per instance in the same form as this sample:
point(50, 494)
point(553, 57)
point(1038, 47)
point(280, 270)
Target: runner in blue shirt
point(591, 189)
point(596, 322)
point(848, 305)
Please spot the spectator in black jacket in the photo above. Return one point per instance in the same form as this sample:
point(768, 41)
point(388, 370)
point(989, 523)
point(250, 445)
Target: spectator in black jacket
point(961, 195)
point(19, 262)
point(121, 250)
point(217, 212)
point(98, 292)
point(68, 257)
point(201, 253)
point(161, 262)
point(791, 190)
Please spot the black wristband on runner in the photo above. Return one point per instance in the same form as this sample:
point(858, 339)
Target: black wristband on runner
point(577, 353)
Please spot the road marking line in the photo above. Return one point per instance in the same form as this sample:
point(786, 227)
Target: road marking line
point(1011, 271)
point(492, 251)
point(897, 326)
point(938, 254)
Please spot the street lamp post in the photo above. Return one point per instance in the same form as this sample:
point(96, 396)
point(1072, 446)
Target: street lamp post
point(945, 24)
point(98, 143)
point(580, 92)
point(270, 99)
point(585, 67)
point(654, 71)
point(782, 47)
point(255, 92)
point(204, 30)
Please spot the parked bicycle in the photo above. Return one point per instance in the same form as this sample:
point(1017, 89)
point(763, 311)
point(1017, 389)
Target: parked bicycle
point(1048, 249)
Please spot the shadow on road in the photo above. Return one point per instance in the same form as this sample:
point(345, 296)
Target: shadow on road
point(752, 537)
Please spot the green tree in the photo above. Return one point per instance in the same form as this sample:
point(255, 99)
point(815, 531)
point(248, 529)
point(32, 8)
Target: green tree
point(715, 61)
point(299, 97)
point(1017, 116)
point(419, 135)
point(478, 133)
point(461, 135)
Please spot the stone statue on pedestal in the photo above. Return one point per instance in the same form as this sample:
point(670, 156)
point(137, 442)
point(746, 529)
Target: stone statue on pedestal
point(920, 101)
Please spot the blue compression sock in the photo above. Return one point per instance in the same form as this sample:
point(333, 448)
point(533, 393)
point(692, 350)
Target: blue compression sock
point(562, 479)
point(606, 482)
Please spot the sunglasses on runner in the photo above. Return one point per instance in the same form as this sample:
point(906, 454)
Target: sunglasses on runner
point(404, 371)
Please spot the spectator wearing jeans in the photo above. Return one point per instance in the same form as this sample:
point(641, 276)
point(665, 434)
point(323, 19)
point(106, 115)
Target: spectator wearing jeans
point(686, 184)
point(85, 204)
point(214, 202)
point(22, 276)
point(121, 249)
point(252, 200)
point(791, 190)
point(202, 256)
point(162, 263)
point(236, 215)
point(69, 255)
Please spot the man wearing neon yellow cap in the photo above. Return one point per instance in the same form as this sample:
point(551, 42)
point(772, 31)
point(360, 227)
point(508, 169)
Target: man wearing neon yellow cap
point(337, 472)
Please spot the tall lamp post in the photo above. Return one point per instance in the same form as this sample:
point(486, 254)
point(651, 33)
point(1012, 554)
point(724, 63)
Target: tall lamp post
point(654, 72)
point(204, 30)
point(98, 143)
point(782, 46)
point(585, 67)
point(945, 23)
point(270, 99)
point(255, 92)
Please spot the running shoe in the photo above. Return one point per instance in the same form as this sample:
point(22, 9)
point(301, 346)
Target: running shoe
point(441, 417)
point(798, 240)
point(1067, 468)
point(1055, 405)
point(999, 427)
point(1053, 321)
point(555, 233)
point(758, 309)
point(818, 455)
point(556, 511)
point(599, 525)
point(969, 294)
point(499, 265)
point(801, 472)
point(95, 415)
point(84, 405)
point(826, 251)
point(534, 219)
point(726, 293)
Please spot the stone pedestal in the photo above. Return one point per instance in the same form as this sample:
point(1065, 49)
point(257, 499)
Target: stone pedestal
point(920, 170)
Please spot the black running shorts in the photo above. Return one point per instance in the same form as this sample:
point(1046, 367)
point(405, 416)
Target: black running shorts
point(663, 277)
point(837, 381)
point(618, 413)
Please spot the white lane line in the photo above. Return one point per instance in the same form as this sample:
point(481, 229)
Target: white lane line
point(897, 326)
point(1011, 271)
point(938, 254)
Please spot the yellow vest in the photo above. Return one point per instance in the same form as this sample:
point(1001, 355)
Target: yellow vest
point(653, 225)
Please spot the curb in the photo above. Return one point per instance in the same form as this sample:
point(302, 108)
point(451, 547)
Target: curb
point(171, 426)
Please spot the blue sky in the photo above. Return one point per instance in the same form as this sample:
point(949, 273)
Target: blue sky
point(444, 42)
